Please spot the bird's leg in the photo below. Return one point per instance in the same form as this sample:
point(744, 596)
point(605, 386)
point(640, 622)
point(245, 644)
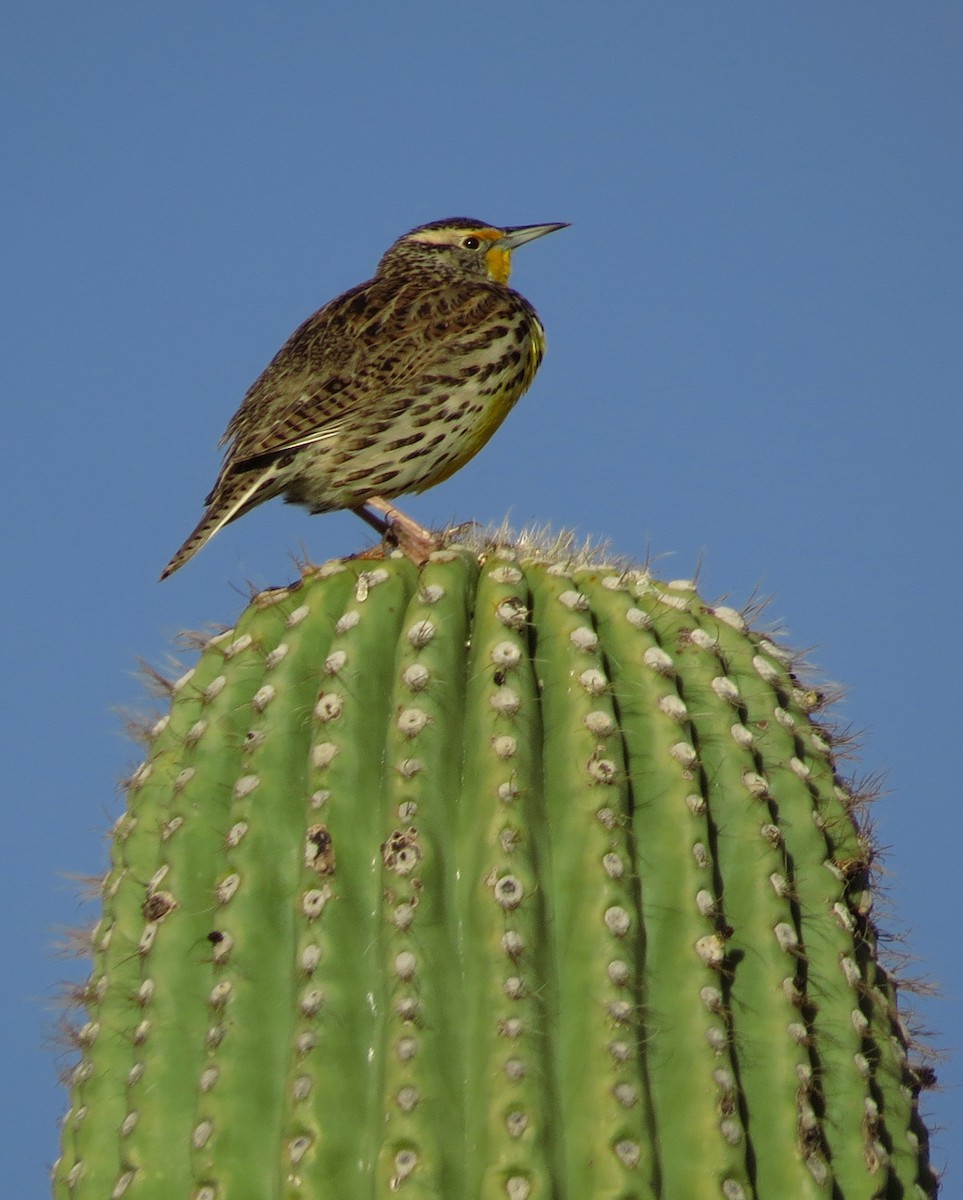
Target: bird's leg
point(416, 542)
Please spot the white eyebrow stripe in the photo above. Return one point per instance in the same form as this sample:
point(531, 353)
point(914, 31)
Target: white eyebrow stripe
point(449, 237)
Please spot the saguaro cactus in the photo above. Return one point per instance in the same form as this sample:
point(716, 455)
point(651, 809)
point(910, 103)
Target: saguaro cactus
point(513, 877)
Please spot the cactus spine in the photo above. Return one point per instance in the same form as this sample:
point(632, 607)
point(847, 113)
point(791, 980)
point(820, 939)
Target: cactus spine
point(510, 878)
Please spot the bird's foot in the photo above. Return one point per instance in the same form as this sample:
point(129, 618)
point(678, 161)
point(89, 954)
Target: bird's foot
point(397, 529)
point(463, 529)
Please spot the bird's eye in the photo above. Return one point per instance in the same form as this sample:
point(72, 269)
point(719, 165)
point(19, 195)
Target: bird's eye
point(471, 243)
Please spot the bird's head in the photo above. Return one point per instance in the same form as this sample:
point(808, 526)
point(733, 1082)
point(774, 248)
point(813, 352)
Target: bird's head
point(462, 246)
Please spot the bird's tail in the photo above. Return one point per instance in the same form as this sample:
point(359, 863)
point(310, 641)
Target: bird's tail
point(232, 497)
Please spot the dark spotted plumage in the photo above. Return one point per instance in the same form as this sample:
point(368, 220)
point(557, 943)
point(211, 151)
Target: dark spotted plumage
point(389, 388)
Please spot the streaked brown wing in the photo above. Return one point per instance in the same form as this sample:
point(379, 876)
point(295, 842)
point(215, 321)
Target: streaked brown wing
point(366, 346)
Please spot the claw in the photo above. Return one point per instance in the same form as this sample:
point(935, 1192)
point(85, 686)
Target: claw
point(397, 529)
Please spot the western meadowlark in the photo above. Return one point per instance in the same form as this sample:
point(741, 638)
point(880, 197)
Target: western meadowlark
point(389, 388)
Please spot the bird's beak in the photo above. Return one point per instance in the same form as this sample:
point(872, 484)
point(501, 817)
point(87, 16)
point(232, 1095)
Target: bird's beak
point(499, 257)
point(518, 235)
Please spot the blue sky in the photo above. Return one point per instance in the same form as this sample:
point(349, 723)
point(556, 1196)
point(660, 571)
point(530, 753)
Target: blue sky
point(754, 363)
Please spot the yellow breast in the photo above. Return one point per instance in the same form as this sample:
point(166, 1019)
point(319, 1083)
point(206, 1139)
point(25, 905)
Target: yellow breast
point(498, 405)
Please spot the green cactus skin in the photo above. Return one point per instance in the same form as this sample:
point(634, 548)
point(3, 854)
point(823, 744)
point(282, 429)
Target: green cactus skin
point(511, 878)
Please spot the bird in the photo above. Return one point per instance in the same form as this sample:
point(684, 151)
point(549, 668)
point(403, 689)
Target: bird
point(388, 389)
